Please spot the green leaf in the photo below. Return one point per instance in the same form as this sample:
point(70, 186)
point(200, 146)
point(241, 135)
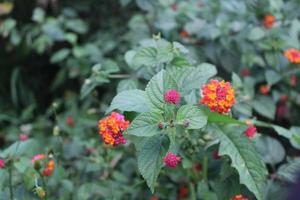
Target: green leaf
point(282, 131)
point(193, 77)
point(130, 100)
point(150, 154)
point(156, 88)
point(295, 137)
point(127, 84)
point(289, 171)
point(271, 150)
point(150, 56)
point(244, 159)
point(193, 115)
point(145, 56)
point(236, 81)
point(22, 164)
point(256, 33)
point(264, 106)
point(145, 124)
point(272, 77)
point(60, 55)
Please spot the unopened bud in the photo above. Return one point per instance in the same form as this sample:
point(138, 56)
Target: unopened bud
point(201, 142)
point(161, 125)
point(208, 137)
point(37, 165)
point(186, 123)
point(56, 131)
point(40, 192)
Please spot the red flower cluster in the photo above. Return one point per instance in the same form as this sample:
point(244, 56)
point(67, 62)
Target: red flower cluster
point(250, 131)
point(184, 34)
point(293, 80)
point(269, 21)
point(293, 55)
point(218, 96)
point(264, 89)
point(171, 160)
point(183, 192)
point(70, 121)
point(23, 137)
point(111, 129)
point(239, 197)
point(215, 155)
point(172, 97)
point(2, 163)
point(49, 168)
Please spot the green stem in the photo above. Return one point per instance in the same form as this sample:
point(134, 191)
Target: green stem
point(10, 183)
point(119, 76)
point(44, 186)
point(205, 166)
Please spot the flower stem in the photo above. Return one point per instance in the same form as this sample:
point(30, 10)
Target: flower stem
point(44, 186)
point(119, 76)
point(10, 183)
point(205, 163)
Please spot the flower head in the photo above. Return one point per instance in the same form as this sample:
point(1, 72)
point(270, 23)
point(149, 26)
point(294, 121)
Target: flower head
point(172, 97)
point(250, 131)
point(183, 192)
point(184, 34)
point(174, 7)
point(38, 157)
point(282, 110)
point(293, 55)
point(40, 192)
point(239, 197)
point(197, 167)
point(70, 121)
point(23, 137)
point(283, 98)
point(2, 163)
point(245, 72)
point(264, 89)
point(215, 155)
point(171, 160)
point(49, 168)
point(112, 127)
point(269, 21)
point(293, 80)
point(218, 96)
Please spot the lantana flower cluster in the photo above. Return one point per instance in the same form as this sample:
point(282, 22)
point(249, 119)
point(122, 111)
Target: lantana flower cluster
point(293, 55)
point(112, 127)
point(49, 166)
point(219, 96)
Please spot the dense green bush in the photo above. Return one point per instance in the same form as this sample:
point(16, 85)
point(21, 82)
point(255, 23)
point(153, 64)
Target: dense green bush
point(65, 65)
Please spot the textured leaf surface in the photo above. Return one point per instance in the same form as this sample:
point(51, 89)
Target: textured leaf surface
point(244, 159)
point(264, 106)
point(146, 124)
point(193, 115)
point(130, 100)
point(157, 87)
point(290, 170)
point(271, 150)
point(150, 154)
point(193, 77)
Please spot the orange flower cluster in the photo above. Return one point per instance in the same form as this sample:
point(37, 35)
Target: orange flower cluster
point(269, 21)
point(293, 55)
point(218, 96)
point(112, 127)
point(239, 197)
point(49, 168)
